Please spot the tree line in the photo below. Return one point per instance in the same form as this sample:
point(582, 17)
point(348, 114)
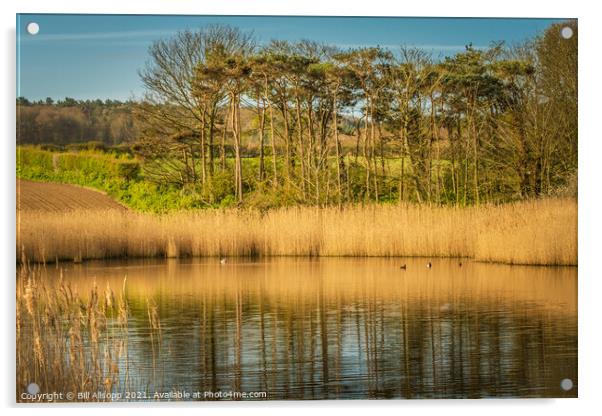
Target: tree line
point(365, 124)
point(69, 121)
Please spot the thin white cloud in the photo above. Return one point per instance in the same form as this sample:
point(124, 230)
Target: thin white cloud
point(135, 38)
point(62, 37)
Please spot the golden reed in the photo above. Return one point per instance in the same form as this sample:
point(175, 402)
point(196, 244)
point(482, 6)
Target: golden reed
point(62, 341)
point(70, 341)
point(541, 232)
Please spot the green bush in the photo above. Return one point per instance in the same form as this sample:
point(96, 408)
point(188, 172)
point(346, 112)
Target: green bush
point(228, 202)
point(128, 170)
point(219, 187)
point(94, 145)
point(32, 157)
point(266, 197)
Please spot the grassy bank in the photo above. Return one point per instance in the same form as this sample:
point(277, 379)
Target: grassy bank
point(542, 232)
point(117, 174)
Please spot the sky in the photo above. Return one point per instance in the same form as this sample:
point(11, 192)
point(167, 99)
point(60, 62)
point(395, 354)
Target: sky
point(99, 56)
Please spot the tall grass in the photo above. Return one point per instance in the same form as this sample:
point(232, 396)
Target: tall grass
point(73, 342)
point(63, 343)
point(533, 232)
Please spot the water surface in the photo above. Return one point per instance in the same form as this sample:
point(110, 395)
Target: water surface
point(346, 328)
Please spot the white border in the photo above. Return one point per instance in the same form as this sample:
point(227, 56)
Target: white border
point(590, 157)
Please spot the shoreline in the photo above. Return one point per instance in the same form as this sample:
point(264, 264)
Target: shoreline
point(67, 261)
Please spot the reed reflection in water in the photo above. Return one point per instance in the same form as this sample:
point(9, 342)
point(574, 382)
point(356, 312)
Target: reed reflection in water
point(346, 328)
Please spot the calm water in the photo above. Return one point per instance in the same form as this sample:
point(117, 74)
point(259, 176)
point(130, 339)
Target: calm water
point(347, 328)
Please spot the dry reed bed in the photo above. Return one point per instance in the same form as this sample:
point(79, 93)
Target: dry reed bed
point(74, 341)
point(532, 232)
point(65, 344)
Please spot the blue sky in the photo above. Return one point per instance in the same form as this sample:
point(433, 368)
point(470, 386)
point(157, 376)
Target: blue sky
point(98, 56)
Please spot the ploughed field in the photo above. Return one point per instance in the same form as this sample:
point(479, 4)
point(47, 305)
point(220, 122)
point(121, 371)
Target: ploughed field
point(57, 197)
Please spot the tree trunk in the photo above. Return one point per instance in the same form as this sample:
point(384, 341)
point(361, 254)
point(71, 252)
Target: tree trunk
point(338, 148)
point(222, 147)
point(366, 159)
point(476, 162)
point(272, 137)
point(402, 175)
point(261, 111)
point(287, 145)
point(301, 153)
point(211, 137)
point(235, 110)
point(373, 151)
point(203, 156)
point(193, 163)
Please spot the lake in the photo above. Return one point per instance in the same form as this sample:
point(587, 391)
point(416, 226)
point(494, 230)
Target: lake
point(342, 328)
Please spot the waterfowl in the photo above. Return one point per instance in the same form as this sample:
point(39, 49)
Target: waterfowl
point(459, 264)
point(429, 265)
point(403, 267)
point(223, 261)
